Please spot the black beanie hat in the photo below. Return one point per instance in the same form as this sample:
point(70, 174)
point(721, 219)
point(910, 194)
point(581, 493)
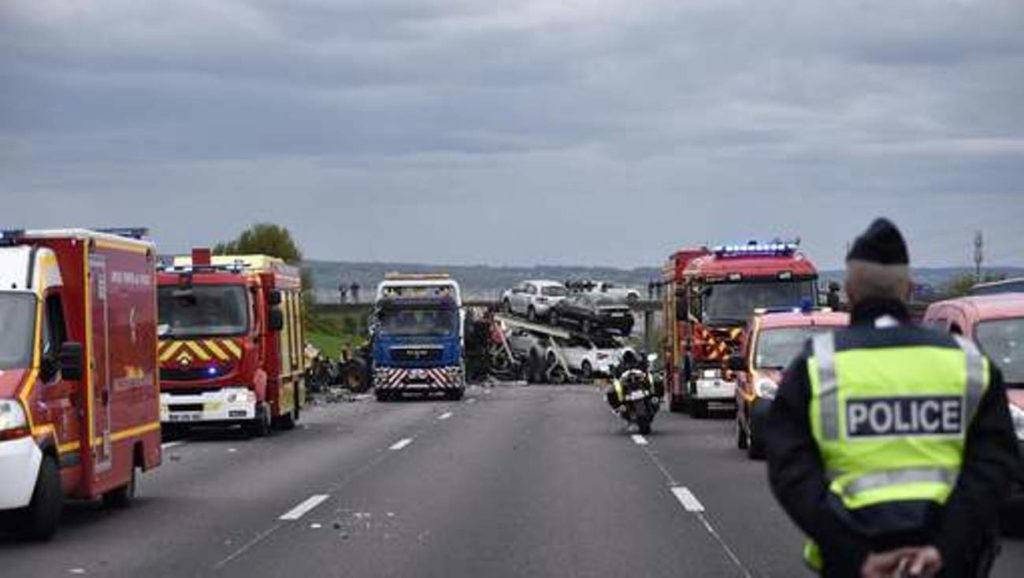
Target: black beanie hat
point(881, 243)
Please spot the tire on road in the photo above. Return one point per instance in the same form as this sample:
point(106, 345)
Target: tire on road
point(122, 497)
point(586, 370)
point(259, 427)
point(40, 519)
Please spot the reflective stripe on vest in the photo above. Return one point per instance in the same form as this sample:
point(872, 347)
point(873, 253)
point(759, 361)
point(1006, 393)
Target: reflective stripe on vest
point(876, 480)
point(977, 376)
point(825, 354)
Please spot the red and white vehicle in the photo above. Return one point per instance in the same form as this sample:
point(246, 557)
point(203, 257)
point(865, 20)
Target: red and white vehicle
point(709, 296)
point(231, 342)
point(79, 388)
point(771, 341)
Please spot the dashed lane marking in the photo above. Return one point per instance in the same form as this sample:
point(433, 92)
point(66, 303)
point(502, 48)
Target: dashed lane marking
point(639, 440)
point(687, 499)
point(400, 444)
point(445, 416)
point(304, 508)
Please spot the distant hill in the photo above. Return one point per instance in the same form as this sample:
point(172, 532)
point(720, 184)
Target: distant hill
point(487, 282)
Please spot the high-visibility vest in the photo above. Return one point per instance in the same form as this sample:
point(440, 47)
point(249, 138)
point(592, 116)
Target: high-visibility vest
point(891, 423)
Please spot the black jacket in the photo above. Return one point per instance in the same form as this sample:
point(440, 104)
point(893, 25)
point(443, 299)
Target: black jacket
point(797, 477)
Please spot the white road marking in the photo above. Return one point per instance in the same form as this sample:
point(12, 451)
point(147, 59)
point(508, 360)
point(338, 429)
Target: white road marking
point(304, 508)
point(445, 416)
point(639, 440)
point(400, 444)
point(169, 445)
point(471, 400)
point(687, 499)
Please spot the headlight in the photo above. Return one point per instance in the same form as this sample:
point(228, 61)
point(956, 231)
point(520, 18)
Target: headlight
point(12, 415)
point(239, 394)
point(766, 388)
point(1018, 421)
point(711, 373)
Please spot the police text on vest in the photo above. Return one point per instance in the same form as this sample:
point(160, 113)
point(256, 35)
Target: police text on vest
point(904, 416)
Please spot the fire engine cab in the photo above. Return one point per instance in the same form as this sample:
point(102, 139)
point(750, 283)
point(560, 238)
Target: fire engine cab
point(78, 373)
point(709, 295)
point(231, 338)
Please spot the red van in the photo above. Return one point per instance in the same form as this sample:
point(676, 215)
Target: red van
point(79, 389)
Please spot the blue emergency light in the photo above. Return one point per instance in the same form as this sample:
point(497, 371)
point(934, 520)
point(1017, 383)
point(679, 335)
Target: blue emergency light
point(9, 237)
point(756, 249)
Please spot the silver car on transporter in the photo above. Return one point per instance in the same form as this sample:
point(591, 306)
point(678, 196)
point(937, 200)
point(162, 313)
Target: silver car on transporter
point(533, 299)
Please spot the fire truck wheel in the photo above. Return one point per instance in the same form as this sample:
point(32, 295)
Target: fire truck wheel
point(456, 395)
point(122, 497)
point(698, 409)
point(42, 515)
point(260, 427)
point(675, 404)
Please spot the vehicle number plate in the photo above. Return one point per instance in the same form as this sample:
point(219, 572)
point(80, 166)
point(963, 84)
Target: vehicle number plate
point(186, 416)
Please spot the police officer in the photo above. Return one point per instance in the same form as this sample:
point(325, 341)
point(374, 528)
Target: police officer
point(891, 445)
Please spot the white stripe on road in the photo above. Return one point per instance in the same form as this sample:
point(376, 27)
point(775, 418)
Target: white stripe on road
point(169, 445)
point(687, 499)
point(445, 416)
point(400, 444)
point(639, 440)
point(304, 508)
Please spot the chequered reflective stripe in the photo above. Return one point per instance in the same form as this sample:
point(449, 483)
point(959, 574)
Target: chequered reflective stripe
point(187, 351)
point(717, 342)
point(439, 377)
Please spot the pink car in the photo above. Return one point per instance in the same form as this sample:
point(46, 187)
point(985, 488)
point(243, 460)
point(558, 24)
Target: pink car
point(996, 324)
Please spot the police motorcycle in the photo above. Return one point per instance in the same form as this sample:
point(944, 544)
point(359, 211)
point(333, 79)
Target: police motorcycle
point(635, 394)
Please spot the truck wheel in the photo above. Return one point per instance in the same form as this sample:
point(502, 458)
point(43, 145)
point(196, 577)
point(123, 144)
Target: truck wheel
point(755, 447)
point(260, 425)
point(41, 517)
point(506, 306)
point(121, 498)
point(698, 409)
point(382, 396)
point(531, 313)
point(456, 395)
point(676, 404)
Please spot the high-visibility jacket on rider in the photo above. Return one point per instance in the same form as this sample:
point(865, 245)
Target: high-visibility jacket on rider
point(887, 434)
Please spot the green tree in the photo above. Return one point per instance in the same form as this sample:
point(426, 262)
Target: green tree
point(961, 284)
point(263, 239)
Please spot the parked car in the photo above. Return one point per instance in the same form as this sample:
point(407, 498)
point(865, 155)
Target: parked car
point(589, 359)
point(770, 342)
point(996, 323)
point(606, 288)
point(592, 312)
point(533, 299)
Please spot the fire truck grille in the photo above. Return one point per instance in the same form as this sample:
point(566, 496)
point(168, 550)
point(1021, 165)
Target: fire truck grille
point(191, 373)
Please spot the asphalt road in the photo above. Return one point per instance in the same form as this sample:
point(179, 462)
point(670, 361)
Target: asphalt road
point(512, 481)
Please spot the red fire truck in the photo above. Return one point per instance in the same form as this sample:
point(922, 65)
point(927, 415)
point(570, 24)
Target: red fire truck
point(231, 342)
point(78, 372)
point(709, 294)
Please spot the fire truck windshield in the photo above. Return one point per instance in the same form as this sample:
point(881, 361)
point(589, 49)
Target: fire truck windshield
point(203, 311)
point(418, 321)
point(735, 302)
point(18, 318)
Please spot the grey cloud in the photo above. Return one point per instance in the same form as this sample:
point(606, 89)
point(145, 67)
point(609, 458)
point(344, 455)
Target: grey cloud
point(533, 131)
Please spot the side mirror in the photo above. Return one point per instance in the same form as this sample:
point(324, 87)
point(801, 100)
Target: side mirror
point(738, 363)
point(274, 297)
point(275, 320)
point(70, 361)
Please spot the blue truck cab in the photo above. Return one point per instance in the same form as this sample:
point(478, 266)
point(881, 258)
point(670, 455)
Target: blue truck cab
point(417, 337)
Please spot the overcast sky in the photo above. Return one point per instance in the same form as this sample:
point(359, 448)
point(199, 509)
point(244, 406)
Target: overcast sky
point(519, 132)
